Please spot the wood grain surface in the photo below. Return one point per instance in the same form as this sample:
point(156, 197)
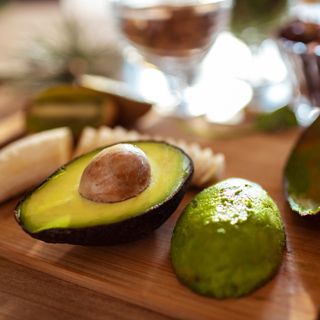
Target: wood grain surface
point(136, 280)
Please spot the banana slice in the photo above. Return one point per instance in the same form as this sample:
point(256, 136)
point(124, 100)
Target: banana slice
point(28, 161)
point(208, 166)
point(87, 139)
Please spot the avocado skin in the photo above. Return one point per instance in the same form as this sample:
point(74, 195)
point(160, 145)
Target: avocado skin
point(302, 173)
point(124, 231)
point(222, 259)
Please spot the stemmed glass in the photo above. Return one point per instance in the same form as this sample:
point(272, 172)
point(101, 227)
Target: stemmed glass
point(175, 36)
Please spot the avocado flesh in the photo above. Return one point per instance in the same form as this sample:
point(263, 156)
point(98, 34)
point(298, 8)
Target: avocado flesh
point(229, 240)
point(57, 204)
point(70, 106)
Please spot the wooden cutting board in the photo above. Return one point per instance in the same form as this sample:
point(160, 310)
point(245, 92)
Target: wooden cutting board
point(140, 273)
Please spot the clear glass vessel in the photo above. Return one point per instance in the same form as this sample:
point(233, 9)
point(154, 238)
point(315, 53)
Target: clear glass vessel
point(175, 36)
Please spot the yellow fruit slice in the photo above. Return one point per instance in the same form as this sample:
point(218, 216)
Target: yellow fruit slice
point(26, 162)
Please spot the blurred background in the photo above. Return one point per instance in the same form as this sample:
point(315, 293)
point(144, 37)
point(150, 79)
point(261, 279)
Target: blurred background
point(226, 63)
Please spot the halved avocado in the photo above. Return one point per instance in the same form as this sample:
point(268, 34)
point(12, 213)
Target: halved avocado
point(56, 212)
point(69, 106)
point(302, 173)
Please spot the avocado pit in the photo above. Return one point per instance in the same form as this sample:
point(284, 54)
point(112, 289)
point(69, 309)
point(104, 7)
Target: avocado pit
point(117, 173)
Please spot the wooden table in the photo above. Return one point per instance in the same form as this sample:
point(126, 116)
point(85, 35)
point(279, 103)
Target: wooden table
point(135, 281)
